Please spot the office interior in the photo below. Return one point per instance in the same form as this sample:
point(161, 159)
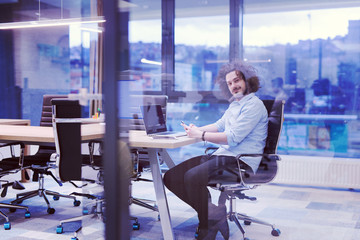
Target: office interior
point(306, 52)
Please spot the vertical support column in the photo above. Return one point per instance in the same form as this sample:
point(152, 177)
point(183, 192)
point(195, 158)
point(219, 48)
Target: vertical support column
point(236, 29)
point(116, 184)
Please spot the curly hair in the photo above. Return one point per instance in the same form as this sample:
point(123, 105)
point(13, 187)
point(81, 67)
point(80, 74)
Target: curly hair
point(243, 70)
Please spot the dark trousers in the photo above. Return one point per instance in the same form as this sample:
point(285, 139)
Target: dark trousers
point(189, 181)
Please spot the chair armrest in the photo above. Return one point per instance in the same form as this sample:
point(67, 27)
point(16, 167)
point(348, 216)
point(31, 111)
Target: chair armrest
point(22, 145)
point(212, 149)
point(22, 149)
point(267, 156)
point(91, 152)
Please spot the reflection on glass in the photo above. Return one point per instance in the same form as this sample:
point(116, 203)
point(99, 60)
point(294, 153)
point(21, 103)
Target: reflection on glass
point(145, 49)
point(201, 44)
point(314, 53)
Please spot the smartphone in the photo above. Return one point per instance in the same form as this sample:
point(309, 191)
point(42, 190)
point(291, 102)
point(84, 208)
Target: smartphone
point(182, 122)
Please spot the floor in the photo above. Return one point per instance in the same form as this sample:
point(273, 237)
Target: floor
point(317, 213)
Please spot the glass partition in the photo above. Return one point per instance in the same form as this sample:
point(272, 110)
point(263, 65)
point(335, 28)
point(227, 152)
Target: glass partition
point(43, 57)
point(310, 60)
point(145, 46)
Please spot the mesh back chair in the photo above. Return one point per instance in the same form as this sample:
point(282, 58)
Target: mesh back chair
point(232, 182)
point(141, 158)
point(12, 165)
point(42, 162)
point(67, 133)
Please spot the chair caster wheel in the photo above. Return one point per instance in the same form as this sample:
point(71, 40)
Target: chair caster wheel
point(77, 203)
point(12, 209)
point(27, 214)
point(275, 232)
point(50, 210)
point(85, 211)
point(247, 222)
point(7, 226)
point(56, 197)
point(136, 226)
point(196, 233)
point(59, 229)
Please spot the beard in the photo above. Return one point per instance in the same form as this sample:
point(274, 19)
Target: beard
point(237, 96)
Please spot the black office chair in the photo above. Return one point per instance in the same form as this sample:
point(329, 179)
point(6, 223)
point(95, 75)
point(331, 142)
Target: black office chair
point(232, 182)
point(67, 134)
point(141, 158)
point(12, 165)
point(42, 162)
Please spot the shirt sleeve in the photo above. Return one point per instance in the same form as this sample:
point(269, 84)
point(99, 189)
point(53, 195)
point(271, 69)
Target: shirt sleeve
point(220, 124)
point(244, 123)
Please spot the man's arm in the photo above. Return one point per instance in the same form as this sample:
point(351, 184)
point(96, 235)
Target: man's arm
point(209, 128)
point(211, 133)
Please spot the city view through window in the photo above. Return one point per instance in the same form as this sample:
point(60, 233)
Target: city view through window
point(311, 60)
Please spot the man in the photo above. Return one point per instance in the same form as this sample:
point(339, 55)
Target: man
point(242, 129)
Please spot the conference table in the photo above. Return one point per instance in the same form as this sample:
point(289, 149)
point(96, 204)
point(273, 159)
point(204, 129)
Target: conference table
point(36, 135)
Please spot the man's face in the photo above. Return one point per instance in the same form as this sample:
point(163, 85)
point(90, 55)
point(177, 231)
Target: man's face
point(235, 84)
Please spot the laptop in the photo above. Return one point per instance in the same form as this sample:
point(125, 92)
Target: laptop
point(155, 124)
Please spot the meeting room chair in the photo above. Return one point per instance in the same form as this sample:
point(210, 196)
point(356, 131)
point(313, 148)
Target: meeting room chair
point(12, 165)
point(67, 134)
point(232, 182)
point(141, 158)
point(42, 162)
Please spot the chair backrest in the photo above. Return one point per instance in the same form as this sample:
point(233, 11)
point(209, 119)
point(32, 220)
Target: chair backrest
point(46, 113)
point(268, 166)
point(275, 111)
point(67, 138)
point(137, 123)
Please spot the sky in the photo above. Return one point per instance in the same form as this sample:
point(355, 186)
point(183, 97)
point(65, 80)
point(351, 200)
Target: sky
point(259, 29)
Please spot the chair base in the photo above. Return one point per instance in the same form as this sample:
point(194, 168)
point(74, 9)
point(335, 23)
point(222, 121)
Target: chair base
point(235, 217)
point(43, 193)
point(142, 203)
point(96, 212)
point(12, 208)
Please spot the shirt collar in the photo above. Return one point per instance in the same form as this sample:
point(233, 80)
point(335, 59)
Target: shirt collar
point(245, 98)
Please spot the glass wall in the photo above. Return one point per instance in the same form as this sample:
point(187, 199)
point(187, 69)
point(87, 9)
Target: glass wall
point(48, 47)
point(311, 61)
point(46, 59)
point(145, 46)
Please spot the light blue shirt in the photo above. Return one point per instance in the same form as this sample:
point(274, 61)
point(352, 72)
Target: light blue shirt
point(245, 124)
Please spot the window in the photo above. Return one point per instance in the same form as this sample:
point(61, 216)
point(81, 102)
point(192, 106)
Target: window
point(311, 61)
point(201, 43)
point(145, 46)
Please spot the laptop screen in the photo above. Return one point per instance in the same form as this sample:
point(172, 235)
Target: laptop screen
point(153, 117)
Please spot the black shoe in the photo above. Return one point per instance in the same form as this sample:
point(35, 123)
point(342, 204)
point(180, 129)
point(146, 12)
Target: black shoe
point(205, 234)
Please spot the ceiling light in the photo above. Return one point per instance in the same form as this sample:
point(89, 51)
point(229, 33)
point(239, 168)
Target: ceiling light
point(51, 23)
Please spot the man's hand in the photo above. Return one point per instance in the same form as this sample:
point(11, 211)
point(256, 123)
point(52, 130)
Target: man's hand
point(192, 130)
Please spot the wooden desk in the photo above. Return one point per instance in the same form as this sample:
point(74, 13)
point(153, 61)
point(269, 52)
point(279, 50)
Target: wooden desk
point(25, 122)
point(45, 135)
point(139, 139)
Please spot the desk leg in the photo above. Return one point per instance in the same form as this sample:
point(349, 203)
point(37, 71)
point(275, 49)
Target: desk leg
point(160, 195)
point(167, 159)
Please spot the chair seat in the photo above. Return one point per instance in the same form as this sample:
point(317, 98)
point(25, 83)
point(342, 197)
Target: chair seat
point(41, 159)
point(9, 165)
